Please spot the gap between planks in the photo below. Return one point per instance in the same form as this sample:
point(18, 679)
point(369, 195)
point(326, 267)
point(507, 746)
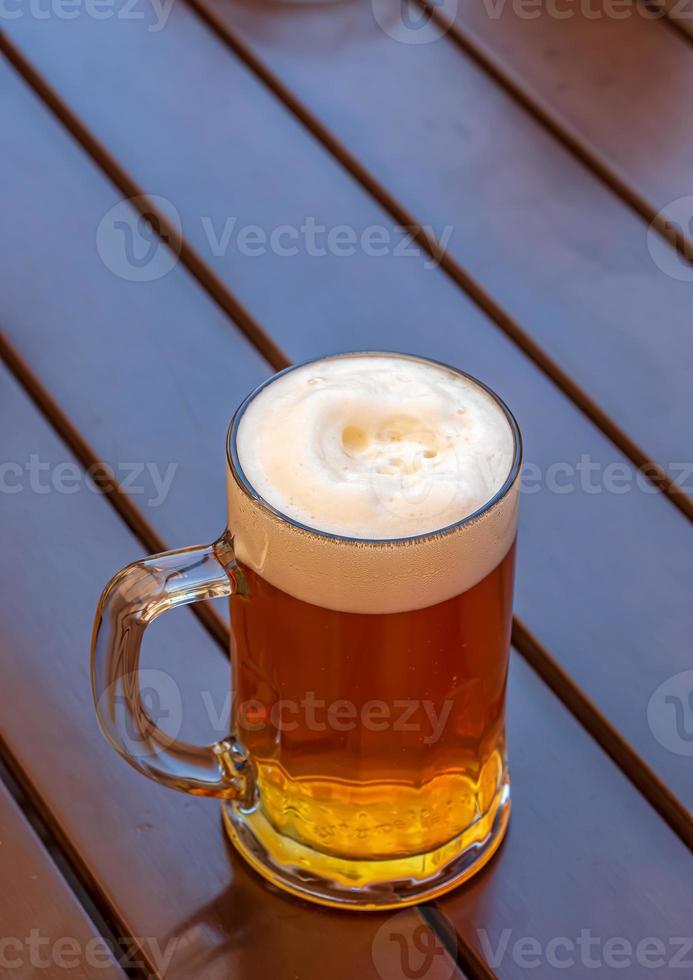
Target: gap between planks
point(84, 890)
point(541, 661)
point(271, 351)
point(471, 967)
point(453, 269)
point(575, 701)
point(508, 80)
point(672, 22)
point(580, 706)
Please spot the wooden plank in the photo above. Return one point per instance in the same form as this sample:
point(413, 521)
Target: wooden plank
point(680, 14)
point(603, 575)
point(586, 73)
point(560, 877)
point(504, 910)
point(459, 153)
point(160, 859)
point(45, 931)
point(599, 259)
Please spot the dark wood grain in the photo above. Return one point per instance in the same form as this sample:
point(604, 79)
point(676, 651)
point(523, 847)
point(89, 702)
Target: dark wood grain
point(680, 16)
point(560, 875)
point(600, 284)
point(159, 859)
point(588, 74)
point(45, 931)
point(603, 577)
point(541, 235)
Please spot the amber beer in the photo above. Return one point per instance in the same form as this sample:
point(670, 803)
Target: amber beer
point(368, 556)
point(375, 736)
point(370, 639)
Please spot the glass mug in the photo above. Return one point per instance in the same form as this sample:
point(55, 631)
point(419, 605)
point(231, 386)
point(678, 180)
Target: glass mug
point(366, 766)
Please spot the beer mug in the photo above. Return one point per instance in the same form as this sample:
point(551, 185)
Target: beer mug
point(369, 557)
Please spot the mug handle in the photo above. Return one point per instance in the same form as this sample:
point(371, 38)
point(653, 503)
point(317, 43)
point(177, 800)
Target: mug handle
point(130, 602)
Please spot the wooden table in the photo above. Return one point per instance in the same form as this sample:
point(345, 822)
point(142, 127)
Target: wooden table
point(547, 153)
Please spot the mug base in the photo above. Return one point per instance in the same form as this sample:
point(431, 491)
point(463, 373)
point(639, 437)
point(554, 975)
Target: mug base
point(366, 885)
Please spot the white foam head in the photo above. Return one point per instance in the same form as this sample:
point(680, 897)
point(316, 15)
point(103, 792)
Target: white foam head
point(382, 454)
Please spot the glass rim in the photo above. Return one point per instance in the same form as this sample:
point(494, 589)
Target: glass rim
point(249, 490)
